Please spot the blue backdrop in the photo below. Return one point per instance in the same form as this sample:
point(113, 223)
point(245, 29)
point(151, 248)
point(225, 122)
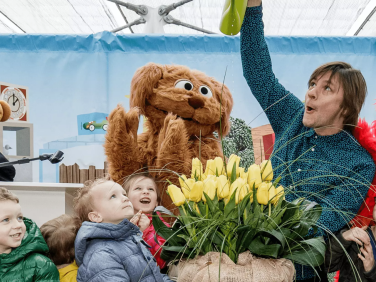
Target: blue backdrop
point(73, 75)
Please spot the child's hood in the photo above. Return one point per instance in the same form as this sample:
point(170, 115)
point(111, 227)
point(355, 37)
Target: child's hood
point(32, 242)
point(104, 231)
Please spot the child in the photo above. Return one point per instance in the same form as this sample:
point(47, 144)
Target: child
point(143, 193)
point(59, 234)
point(359, 244)
point(22, 248)
point(108, 246)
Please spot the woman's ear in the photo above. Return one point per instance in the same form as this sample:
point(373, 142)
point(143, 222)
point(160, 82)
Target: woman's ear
point(143, 82)
point(95, 217)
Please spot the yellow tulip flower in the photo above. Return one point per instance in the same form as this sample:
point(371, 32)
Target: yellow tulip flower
point(187, 187)
point(279, 192)
point(263, 193)
point(267, 170)
point(272, 194)
point(196, 191)
point(234, 159)
point(239, 183)
point(176, 195)
point(254, 176)
point(197, 169)
point(223, 187)
point(210, 167)
point(243, 174)
point(210, 188)
point(243, 191)
point(219, 166)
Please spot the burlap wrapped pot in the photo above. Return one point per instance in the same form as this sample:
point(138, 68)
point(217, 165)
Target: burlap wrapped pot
point(248, 269)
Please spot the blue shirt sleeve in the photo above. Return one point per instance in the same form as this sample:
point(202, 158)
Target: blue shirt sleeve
point(279, 104)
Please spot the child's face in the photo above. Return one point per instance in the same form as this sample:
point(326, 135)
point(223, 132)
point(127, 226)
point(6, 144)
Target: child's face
point(143, 195)
point(12, 227)
point(110, 203)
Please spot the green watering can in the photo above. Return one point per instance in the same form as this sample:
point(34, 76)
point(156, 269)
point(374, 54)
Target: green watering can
point(232, 16)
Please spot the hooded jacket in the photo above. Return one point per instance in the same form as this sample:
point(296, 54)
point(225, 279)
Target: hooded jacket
point(28, 262)
point(114, 252)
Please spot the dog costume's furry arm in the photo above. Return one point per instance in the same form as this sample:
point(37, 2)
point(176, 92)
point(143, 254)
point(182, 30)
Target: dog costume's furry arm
point(121, 148)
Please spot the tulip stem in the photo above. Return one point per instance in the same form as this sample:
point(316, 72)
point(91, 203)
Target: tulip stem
point(270, 209)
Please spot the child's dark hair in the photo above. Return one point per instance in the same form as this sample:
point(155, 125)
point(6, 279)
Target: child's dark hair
point(132, 179)
point(59, 234)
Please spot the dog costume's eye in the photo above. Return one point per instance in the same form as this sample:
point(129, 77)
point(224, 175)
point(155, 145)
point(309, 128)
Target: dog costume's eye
point(205, 90)
point(184, 84)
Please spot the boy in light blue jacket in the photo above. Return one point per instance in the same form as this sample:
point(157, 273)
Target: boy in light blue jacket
point(108, 246)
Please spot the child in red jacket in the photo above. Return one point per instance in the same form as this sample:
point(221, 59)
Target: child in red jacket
point(143, 194)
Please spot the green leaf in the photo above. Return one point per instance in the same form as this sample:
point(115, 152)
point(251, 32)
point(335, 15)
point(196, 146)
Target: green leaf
point(275, 183)
point(276, 219)
point(246, 239)
point(311, 252)
point(233, 173)
point(165, 232)
point(278, 235)
point(244, 203)
point(202, 208)
point(292, 209)
point(258, 248)
point(230, 205)
point(210, 204)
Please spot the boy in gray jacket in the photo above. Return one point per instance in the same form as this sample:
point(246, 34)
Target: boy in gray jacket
point(108, 246)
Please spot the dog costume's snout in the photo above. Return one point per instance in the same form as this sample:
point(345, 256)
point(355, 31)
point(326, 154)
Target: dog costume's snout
point(196, 102)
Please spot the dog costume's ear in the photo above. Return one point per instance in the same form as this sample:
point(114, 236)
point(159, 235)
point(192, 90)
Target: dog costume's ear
point(227, 103)
point(143, 82)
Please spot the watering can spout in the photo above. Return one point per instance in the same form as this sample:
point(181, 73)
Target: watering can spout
point(232, 16)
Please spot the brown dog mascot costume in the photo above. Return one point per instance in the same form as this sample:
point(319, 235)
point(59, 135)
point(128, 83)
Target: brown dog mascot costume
point(180, 106)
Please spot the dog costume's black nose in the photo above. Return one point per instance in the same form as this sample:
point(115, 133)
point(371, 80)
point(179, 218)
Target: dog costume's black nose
point(196, 102)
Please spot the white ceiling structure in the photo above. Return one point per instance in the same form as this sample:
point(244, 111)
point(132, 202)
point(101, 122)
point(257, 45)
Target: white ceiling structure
point(281, 17)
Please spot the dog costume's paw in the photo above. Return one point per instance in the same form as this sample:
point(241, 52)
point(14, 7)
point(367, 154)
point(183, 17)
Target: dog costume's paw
point(121, 145)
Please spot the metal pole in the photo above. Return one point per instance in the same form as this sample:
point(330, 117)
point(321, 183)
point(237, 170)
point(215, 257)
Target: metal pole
point(139, 9)
point(136, 22)
point(164, 10)
point(124, 17)
point(170, 20)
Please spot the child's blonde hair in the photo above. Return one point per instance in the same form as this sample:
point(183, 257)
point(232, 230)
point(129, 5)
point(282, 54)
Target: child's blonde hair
point(134, 177)
point(59, 234)
point(82, 203)
point(5, 195)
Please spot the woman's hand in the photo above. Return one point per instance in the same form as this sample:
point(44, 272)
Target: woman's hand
point(366, 256)
point(357, 235)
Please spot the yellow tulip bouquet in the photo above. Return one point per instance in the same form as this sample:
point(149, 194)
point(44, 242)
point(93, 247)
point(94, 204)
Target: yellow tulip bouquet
point(229, 210)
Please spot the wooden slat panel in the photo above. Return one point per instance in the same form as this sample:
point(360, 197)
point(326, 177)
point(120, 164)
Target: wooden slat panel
point(105, 167)
point(75, 173)
point(62, 173)
point(84, 175)
point(92, 172)
point(99, 173)
point(69, 174)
